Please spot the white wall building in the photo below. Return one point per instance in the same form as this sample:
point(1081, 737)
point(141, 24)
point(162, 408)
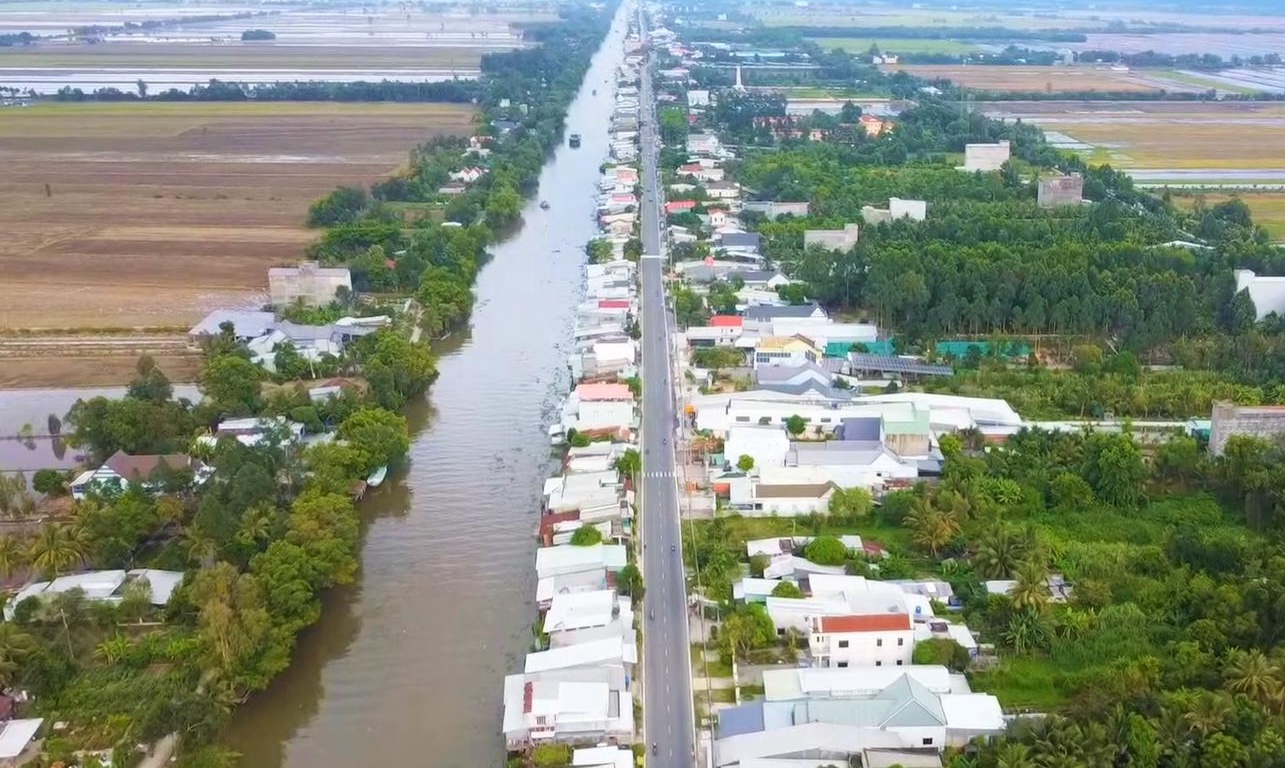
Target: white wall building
point(833, 239)
point(1267, 293)
point(766, 445)
point(308, 282)
point(862, 640)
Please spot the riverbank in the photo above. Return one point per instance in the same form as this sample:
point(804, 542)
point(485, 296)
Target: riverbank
point(408, 661)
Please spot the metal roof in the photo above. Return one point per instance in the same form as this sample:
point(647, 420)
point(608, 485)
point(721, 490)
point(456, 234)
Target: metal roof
point(861, 361)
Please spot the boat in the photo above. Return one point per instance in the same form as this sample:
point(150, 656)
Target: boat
point(595, 91)
point(574, 141)
point(544, 204)
point(377, 477)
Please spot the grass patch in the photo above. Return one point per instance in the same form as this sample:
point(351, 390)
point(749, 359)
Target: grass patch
point(743, 529)
point(1186, 78)
point(715, 667)
point(896, 45)
point(1026, 682)
point(751, 692)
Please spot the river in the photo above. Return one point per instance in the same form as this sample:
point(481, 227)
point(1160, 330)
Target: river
point(406, 667)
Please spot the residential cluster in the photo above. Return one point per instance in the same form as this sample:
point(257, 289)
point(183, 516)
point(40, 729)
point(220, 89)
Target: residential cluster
point(578, 686)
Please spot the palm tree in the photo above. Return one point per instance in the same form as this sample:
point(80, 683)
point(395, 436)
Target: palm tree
point(15, 647)
point(1209, 714)
point(1025, 631)
point(930, 528)
point(1014, 755)
point(55, 549)
point(999, 550)
point(201, 549)
point(1031, 591)
point(1251, 673)
point(12, 556)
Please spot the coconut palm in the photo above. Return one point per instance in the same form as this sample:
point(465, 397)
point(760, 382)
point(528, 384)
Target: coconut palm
point(1251, 673)
point(1014, 755)
point(15, 647)
point(1025, 631)
point(1210, 713)
point(201, 549)
point(999, 550)
point(1031, 591)
point(931, 528)
point(55, 549)
point(13, 556)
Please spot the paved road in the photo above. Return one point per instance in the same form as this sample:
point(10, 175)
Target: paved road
point(667, 709)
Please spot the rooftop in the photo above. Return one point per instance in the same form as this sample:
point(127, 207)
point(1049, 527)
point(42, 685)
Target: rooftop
point(727, 321)
point(879, 622)
point(603, 391)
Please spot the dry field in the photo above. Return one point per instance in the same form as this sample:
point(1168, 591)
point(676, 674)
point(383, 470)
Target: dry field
point(1165, 135)
point(150, 215)
point(1268, 207)
point(1032, 79)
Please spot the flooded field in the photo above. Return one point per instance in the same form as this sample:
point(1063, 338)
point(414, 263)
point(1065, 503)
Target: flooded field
point(1033, 79)
point(123, 215)
point(49, 80)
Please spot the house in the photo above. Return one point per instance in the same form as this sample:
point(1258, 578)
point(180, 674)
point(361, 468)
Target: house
point(679, 206)
point(703, 173)
point(749, 243)
point(452, 188)
point(874, 126)
point(467, 175)
point(15, 738)
point(723, 190)
point(776, 209)
point(252, 432)
point(681, 187)
point(309, 283)
point(938, 629)
point(1267, 293)
point(599, 406)
point(986, 157)
point(698, 98)
point(245, 325)
point(587, 705)
point(703, 144)
point(761, 317)
point(1266, 422)
point(853, 463)
point(102, 586)
point(549, 587)
point(311, 342)
point(832, 239)
point(121, 469)
point(717, 216)
point(780, 492)
point(785, 350)
point(722, 331)
point(824, 333)
point(868, 640)
point(903, 715)
point(603, 757)
point(806, 380)
point(767, 446)
point(1061, 190)
point(915, 210)
point(565, 560)
point(768, 279)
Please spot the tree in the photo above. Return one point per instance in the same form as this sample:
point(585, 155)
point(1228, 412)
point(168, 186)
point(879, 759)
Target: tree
point(795, 425)
point(13, 555)
point(931, 529)
point(746, 628)
point(630, 582)
point(112, 650)
point(1031, 592)
point(851, 503)
point(943, 651)
point(586, 536)
point(55, 549)
point(745, 463)
point(629, 463)
point(380, 434)
point(787, 589)
point(999, 550)
point(826, 550)
point(342, 206)
point(1252, 674)
point(1114, 468)
point(232, 383)
point(49, 482)
point(16, 646)
point(151, 384)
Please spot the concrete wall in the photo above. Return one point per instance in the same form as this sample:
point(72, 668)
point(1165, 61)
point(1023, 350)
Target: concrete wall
point(1062, 190)
point(315, 285)
point(1265, 422)
point(986, 157)
point(1267, 293)
point(833, 239)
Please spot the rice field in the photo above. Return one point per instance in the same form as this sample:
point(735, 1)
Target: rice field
point(1268, 208)
point(1032, 79)
point(897, 45)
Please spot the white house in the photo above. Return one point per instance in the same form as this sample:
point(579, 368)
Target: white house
point(703, 144)
point(862, 640)
point(851, 464)
point(308, 282)
point(101, 586)
point(915, 210)
point(825, 332)
point(467, 175)
point(781, 491)
point(586, 705)
point(1267, 293)
point(563, 560)
point(698, 98)
point(15, 737)
point(723, 190)
point(599, 406)
point(766, 445)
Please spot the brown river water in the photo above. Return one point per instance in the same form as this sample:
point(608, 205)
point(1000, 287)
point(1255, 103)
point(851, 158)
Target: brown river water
point(405, 667)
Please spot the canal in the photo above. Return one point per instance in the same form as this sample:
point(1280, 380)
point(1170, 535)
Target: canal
point(406, 666)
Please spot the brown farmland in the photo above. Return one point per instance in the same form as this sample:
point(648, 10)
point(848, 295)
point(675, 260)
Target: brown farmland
point(150, 215)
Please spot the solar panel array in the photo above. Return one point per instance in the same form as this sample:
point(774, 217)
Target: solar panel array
point(861, 361)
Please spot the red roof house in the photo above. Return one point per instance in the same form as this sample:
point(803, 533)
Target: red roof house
point(678, 206)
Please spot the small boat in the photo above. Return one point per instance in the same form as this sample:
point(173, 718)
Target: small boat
point(377, 477)
point(544, 204)
point(595, 91)
point(574, 141)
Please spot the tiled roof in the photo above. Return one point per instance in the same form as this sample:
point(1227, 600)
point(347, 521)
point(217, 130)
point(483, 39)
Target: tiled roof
point(727, 321)
point(877, 622)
